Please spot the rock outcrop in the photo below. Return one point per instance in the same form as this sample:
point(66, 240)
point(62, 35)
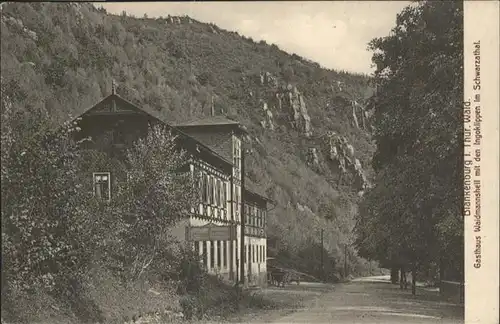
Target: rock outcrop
point(360, 111)
point(361, 115)
point(291, 101)
point(178, 20)
point(303, 208)
point(268, 119)
point(268, 79)
point(312, 156)
point(341, 153)
point(286, 100)
point(19, 24)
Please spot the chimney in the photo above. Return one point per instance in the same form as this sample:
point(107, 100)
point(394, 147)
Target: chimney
point(113, 86)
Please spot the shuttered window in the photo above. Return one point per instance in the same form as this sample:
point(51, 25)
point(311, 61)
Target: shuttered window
point(102, 185)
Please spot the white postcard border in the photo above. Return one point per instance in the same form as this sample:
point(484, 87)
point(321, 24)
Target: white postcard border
point(481, 161)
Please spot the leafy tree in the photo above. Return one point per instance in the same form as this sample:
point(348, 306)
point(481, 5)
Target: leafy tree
point(42, 214)
point(158, 193)
point(413, 212)
point(53, 228)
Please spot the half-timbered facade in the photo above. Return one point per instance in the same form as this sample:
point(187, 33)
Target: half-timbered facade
point(256, 206)
point(114, 124)
point(226, 137)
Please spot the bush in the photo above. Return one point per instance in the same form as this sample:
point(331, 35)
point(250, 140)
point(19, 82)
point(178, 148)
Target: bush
point(188, 304)
point(207, 78)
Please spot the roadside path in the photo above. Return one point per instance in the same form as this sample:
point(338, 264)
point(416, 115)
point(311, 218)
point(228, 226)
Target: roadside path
point(365, 300)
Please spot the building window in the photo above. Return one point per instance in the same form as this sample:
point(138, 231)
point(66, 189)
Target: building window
point(212, 254)
point(224, 191)
point(197, 249)
point(210, 190)
point(237, 154)
point(205, 188)
point(222, 194)
point(222, 187)
point(253, 254)
point(219, 252)
point(237, 202)
point(214, 191)
point(102, 185)
point(205, 253)
point(200, 186)
point(217, 192)
point(118, 134)
point(226, 249)
point(246, 254)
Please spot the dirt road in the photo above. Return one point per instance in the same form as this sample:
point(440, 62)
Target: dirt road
point(367, 300)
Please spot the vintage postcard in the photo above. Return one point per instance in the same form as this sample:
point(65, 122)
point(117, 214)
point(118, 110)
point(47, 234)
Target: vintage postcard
point(250, 162)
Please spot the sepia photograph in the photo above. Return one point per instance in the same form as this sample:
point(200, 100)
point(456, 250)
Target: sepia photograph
point(250, 162)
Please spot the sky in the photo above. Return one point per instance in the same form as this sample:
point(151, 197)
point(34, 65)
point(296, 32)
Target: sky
point(334, 34)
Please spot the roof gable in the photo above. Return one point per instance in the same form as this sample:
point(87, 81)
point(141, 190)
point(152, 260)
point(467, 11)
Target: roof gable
point(114, 104)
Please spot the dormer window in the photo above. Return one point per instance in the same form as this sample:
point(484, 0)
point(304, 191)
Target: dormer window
point(102, 185)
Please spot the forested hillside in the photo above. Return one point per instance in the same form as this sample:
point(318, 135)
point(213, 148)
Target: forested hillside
point(309, 127)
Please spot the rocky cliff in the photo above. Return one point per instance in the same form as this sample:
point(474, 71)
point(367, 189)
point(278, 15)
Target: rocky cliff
point(309, 126)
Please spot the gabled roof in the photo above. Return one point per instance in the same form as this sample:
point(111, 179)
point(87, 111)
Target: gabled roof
point(211, 121)
point(208, 121)
point(253, 189)
point(158, 117)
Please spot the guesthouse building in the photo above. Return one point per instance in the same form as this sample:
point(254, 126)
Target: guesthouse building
point(214, 145)
point(226, 137)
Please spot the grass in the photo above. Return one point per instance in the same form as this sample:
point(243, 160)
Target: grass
point(100, 297)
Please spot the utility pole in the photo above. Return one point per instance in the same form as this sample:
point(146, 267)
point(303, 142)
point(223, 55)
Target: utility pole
point(322, 268)
point(345, 260)
point(243, 218)
point(212, 107)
